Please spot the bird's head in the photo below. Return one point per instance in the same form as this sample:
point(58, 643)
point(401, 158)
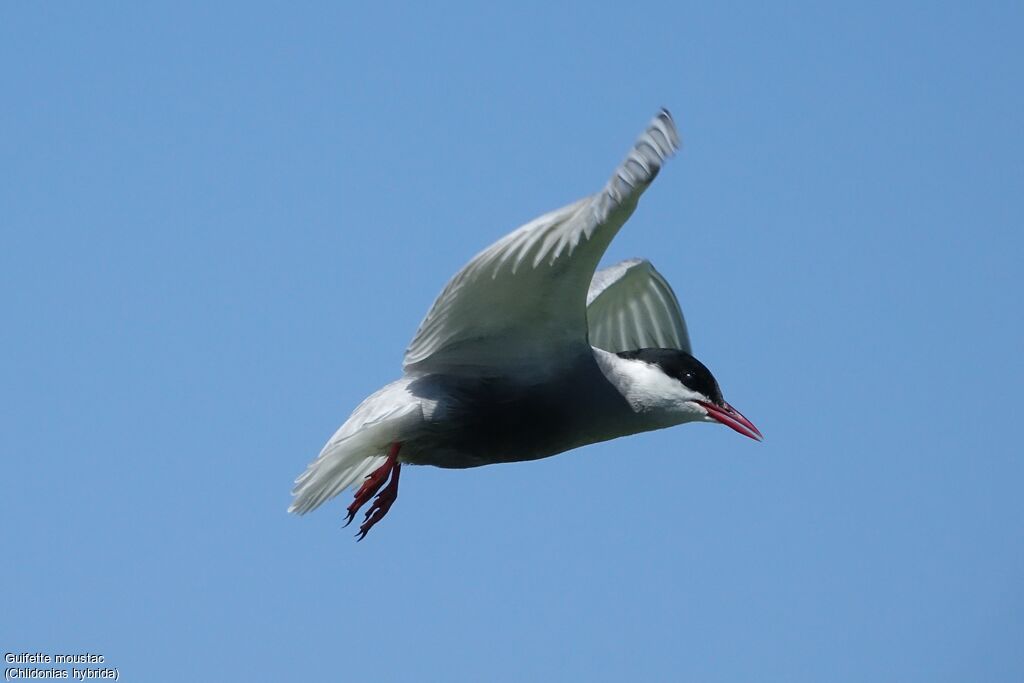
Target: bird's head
point(675, 383)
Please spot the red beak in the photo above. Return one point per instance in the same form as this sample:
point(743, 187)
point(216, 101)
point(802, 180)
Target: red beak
point(733, 419)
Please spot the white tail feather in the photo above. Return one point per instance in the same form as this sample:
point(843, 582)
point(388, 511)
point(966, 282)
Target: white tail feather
point(358, 447)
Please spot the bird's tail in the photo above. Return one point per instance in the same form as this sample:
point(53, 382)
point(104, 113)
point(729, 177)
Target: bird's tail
point(357, 448)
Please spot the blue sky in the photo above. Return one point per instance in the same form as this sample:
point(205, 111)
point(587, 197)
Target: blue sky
point(220, 227)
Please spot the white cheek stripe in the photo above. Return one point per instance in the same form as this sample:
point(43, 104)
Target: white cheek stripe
point(648, 389)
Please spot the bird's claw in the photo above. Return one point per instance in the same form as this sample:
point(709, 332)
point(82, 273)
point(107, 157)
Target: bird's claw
point(370, 486)
point(381, 504)
point(384, 500)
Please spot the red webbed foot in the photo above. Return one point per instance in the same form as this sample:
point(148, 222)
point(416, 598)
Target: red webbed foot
point(382, 503)
point(385, 499)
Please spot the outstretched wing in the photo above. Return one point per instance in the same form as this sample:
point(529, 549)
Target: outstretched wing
point(631, 306)
point(520, 305)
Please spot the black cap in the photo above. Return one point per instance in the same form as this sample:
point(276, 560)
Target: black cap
point(683, 367)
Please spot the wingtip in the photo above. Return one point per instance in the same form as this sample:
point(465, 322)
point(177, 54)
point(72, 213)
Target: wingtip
point(667, 128)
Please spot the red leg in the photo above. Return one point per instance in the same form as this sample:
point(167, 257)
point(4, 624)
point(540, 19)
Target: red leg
point(370, 487)
point(372, 483)
point(382, 503)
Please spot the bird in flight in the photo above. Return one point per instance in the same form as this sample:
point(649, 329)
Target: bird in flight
point(528, 352)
